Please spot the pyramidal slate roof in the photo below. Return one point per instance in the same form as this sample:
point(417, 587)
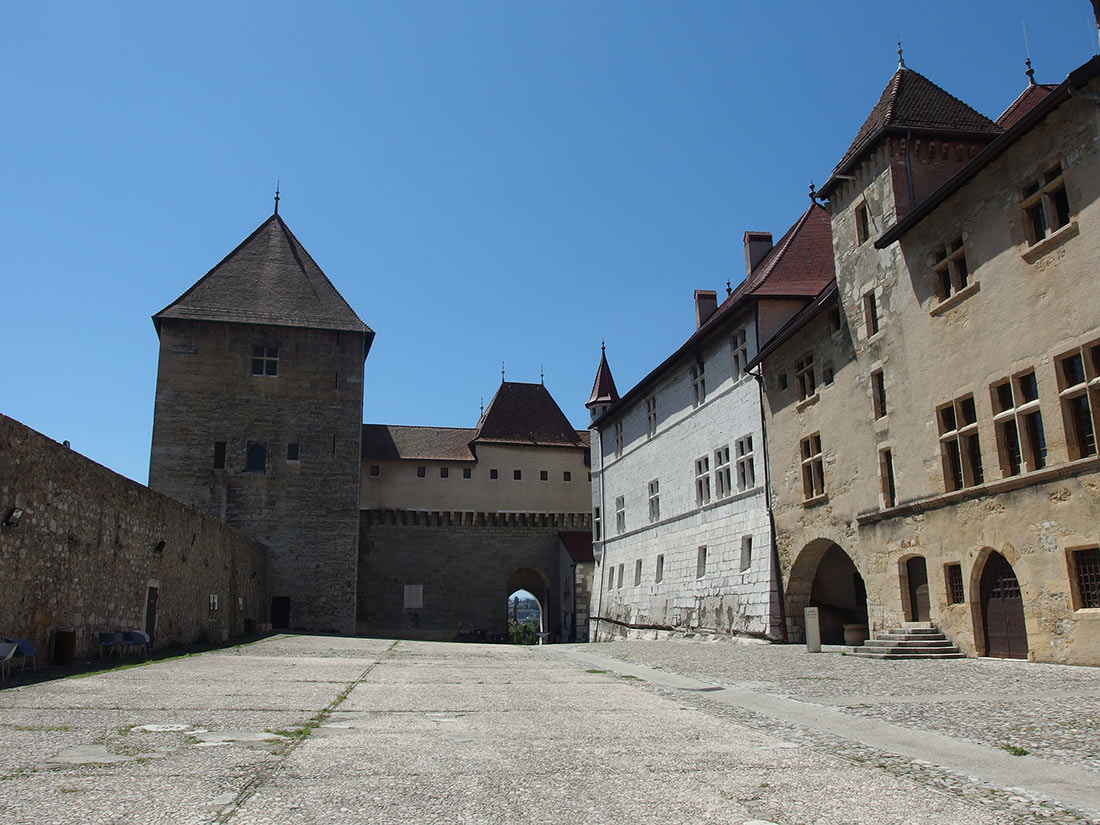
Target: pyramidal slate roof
point(603, 388)
point(526, 414)
point(912, 102)
point(268, 279)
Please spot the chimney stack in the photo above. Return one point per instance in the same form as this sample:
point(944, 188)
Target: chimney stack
point(706, 302)
point(757, 245)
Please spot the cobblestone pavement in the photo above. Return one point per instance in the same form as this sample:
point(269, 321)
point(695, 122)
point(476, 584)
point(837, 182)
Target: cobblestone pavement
point(312, 729)
point(1048, 711)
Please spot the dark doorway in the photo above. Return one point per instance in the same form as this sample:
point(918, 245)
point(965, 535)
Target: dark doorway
point(151, 596)
point(1002, 610)
point(839, 594)
point(280, 612)
point(916, 571)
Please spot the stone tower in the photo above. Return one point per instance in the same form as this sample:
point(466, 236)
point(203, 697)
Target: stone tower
point(258, 418)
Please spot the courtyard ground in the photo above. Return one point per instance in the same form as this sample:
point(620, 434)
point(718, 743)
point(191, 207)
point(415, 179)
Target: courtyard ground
point(312, 729)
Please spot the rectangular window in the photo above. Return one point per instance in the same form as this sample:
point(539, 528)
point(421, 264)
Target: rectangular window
point(517, 475)
point(493, 474)
point(467, 472)
point(827, 373)
point(953, 575)
point(620, 514)
point(291, 452)
point(421, 472)
point(660, 568)
point(702, 480)
point(1086, 566)
point(596, 536)
point(651, 417)
point(698, 384)
point(746, 469)
point(618, 438)
point(566, 476)
point(739, 350)
point(375, 470)
point(863, 224)
point(950, 272)
point(804, 376)
point(746, 553)
point(959, 447)
point(654, 500)
point(1079, 394)
point(870, 313)
point(1018, 423)
point(611, 578)
point(1045, 205)
point(265, 361)
point(637, 572)
point(444, 472)
point(878, 394)
point(219, 455)
point(886, 472)
point(701, 563)
point(723, 479)
point(256, 458)
point(620, 577)
point(813, 467)
point(544, 475)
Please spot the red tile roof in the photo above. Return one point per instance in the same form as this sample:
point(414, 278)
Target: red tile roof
point(578, 543)
point(1029, 98)
point(526, 414)
point(603, 388)
point(912, 102)
point(388, 442)
point(268, 279)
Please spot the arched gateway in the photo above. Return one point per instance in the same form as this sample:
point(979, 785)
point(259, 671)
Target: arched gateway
point(1002, 610)
point(825, 577)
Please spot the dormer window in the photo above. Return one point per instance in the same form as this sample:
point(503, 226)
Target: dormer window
point(265, 361)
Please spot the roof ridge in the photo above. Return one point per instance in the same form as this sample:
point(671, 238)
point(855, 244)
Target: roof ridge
point(771, 260)
point(286, 228)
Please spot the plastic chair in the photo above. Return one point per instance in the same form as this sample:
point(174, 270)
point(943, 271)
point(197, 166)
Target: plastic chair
point(7, 652)
point(109, 641)
point(26, 650)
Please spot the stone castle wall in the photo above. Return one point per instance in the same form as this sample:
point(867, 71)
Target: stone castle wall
point(88, 548)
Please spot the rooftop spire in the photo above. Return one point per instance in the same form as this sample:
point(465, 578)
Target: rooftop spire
point(1030, 73)
point(813, 193)
point(276, 196)
point(603, 388)
point(901, 58)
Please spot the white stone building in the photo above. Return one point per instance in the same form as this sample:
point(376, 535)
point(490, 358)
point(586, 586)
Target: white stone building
point(681, 528)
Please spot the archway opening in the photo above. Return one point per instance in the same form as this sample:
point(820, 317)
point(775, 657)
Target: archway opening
point(1002, 609)
point(825, 577)
point(526, 621)
point(916, 603)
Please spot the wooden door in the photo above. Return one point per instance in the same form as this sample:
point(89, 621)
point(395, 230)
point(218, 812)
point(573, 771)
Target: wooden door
point(920, 609)
point(1002, 610)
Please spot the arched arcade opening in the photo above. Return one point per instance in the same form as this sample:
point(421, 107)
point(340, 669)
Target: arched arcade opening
point(525, 585)
point(825, 577)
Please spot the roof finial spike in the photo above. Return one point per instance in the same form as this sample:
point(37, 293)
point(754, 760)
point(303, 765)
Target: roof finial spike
point(603, 347)
point(901, 58)
point(482, 405)
point(1027, 53)
point(813, 193)
point(729, 288)
point(542, 375)
point(277, 181)
point(501, 372)
point(1030, 73)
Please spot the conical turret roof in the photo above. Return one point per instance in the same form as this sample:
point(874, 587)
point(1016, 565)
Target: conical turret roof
point(603, 388)
point(268, 279)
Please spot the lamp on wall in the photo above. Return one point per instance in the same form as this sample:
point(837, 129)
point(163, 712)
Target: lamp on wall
point(13, 517)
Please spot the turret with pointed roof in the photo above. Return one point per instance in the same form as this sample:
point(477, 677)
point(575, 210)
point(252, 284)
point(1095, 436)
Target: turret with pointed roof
point(604, 393)
point(258, 419)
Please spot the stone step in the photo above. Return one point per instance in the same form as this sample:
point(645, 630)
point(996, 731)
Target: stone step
point(916, 651)
point(919, 626)
point(866, 654)
point(920, 631)
point(913, 640)
point(912, 643)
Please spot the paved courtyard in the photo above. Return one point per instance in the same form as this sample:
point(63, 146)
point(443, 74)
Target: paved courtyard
point(316, 729)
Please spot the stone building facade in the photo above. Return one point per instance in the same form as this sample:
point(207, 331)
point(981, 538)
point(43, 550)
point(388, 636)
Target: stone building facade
point(683, 540)
point(85, 550)
point(948, 472)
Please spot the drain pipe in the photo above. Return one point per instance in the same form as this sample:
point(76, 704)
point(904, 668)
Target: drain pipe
point(759, 376)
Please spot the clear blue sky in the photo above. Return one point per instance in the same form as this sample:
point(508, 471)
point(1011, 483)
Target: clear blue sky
point(483, 181)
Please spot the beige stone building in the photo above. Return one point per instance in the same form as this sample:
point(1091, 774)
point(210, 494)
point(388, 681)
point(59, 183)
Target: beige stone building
point(932, 417)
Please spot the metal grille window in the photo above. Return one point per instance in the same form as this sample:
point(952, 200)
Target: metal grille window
point(813, 467)
point(1019, 424)
point(953, 575)
point(1086, 564)
point(651, 416)
point(620, 514)
point(702, 480)
point(950, 271)
point(698, 384)
point(654, 500)
point(878, 394)
point(1045, 204)
point(886, 471)
point(739, 350)
point(959, 446)
point(1079, 393)
point(265, 361)
point(870, 313)
point(723, 479)
point(746, 468)
point(804, 376)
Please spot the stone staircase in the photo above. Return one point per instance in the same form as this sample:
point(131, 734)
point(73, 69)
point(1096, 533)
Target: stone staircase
point(915, 640)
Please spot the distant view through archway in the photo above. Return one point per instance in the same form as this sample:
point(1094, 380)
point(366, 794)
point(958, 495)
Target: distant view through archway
point(525, 619)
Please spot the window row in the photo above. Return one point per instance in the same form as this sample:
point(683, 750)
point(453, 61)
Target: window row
point(255, 455)
point(1084, 578)
point(723, 477)
point(468, 473)
point(617, 574)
